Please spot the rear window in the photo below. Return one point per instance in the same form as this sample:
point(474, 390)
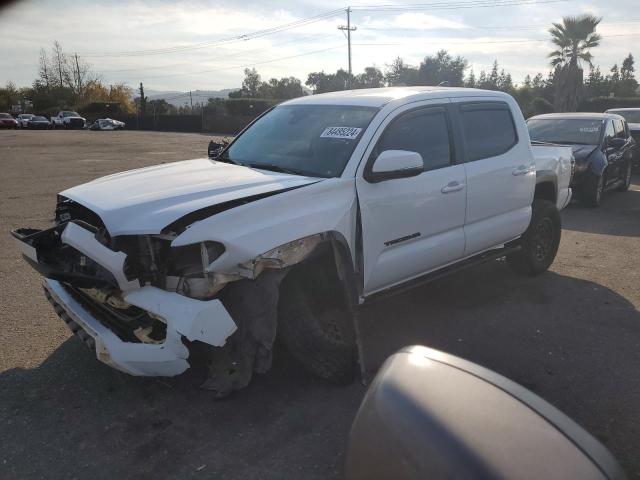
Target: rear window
point(631, 116)
point(579, 131)
point(5, 115)
point(488, 129)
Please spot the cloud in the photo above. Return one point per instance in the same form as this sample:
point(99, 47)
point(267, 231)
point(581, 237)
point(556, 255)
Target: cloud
point(481, 35)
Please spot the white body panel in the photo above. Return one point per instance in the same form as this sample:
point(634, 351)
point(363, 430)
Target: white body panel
point(415, 208)
point(255, 228)
point(409, 207)
point(147, 199)
point(559, 160)
point(499, 190)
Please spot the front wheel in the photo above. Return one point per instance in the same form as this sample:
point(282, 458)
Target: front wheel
point(317, 331)
point(626, 177)
point(540, 242)
point(591, 193)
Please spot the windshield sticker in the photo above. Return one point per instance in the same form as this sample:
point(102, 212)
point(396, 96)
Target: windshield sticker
point(349, 133)
point(589, 129)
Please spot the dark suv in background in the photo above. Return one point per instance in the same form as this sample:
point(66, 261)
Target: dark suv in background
point(602, 146)
point(632, 116)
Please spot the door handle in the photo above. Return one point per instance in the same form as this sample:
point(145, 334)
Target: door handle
point(452, 187)
point(521, 170)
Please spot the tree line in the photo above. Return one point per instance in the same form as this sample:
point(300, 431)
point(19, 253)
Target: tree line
point(65, 81)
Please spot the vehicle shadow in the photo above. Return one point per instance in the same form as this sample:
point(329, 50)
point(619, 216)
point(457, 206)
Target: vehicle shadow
point(572, 341)
point(619, 214)
point(73, 417)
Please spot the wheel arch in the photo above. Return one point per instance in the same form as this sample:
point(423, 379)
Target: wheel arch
point(546, 186)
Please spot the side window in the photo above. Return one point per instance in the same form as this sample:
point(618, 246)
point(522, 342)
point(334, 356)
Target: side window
point(422, 131)
point(488, 129)
point(609, 131)
point(618, 128)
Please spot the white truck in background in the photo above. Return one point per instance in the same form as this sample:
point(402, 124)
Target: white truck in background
point(68, 119)
point(322, 204)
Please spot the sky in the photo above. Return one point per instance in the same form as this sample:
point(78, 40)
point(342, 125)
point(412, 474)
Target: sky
point(190, 45)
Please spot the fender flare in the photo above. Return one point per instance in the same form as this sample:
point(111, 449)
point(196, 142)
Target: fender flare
point(598, 164)
point(548, 177)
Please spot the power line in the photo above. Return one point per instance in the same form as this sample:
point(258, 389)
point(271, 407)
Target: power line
point(320, 17)
point(314, 37)
point(452, 5)
point(225, 40)
point(247, 65)
point(472, 41)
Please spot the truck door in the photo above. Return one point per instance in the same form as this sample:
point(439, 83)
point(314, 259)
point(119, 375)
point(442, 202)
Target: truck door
point(412, 225)
point(500, 172)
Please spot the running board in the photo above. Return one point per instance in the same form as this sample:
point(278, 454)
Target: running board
point(487, 256)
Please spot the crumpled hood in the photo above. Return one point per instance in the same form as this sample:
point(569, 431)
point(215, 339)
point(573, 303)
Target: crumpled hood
point(582, 152)
point(146, 200)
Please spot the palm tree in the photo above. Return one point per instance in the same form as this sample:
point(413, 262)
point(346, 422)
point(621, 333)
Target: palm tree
point(574, 37)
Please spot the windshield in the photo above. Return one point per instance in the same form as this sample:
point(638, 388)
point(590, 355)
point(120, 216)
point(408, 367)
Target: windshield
point(5, 115)
point(313, 140)
point(26, 115)
point(70, 114)
point(631, 116)
point(565, 130)
point(39, 119)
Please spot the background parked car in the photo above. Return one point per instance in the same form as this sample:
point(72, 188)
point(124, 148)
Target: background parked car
point(7, 121)
point(602, 147)
point(23, 119)
point(632, 116)
point(107, 124)
point(38, 123)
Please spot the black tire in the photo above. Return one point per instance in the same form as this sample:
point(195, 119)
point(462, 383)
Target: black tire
point(539, 242)
point(626, 177)
point(321, 338)
point(592, 190)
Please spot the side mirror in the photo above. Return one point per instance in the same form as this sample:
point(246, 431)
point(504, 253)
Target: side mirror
point(428, 414)
point(392, 164)
point(616, 142)
point(215, 148)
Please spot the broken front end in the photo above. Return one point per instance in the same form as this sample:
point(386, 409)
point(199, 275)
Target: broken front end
point(149, 308)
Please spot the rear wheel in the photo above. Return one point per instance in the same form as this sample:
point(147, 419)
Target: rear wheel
point(540, 242)
point(626, 178)
point(316, 329)
point(591, 193)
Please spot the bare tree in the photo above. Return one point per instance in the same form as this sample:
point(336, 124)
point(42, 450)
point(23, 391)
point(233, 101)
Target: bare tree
point(60, 64)
point(44, 69)
point(80, 75)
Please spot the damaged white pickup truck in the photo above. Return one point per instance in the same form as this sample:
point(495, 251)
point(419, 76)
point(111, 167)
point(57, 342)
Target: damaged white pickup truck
point(322, 204)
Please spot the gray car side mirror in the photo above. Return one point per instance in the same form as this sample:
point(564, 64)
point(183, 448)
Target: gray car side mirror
point(430, 415)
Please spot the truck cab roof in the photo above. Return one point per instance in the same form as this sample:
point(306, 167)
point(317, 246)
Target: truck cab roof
point(379, 97)
point(578, 116)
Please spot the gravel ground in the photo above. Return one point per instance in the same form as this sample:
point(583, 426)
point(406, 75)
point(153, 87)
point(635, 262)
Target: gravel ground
point(571, 335)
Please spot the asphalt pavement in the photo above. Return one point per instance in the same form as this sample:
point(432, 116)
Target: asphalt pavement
point(571, 335)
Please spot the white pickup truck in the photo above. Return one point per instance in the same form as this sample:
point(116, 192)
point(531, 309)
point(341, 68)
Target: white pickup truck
point(321, 205)
point(68, 119)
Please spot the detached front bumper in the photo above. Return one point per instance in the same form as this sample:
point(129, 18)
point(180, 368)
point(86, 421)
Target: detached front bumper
point(196, 320)
point(166, 359)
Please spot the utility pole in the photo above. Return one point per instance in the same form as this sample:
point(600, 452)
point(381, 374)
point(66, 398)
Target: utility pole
point(348, 29)
point(191, 100)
